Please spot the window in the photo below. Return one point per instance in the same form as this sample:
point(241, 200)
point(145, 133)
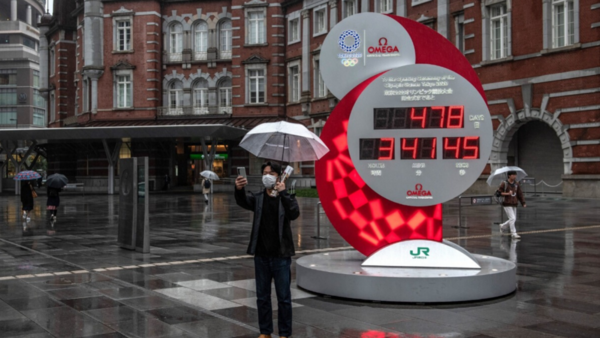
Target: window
point(320, 20)
point(225, 39)
point(256, 27)
point(38, 100)
point(176, 42)
point(459, 26)
point(39, 117)
point(563, 23)
point(52, 61)
point(8, 96)
point(385, 6)
point(294, 82)
point(176, 98)
point(320, 90)
point(31, 43)
point(256, 86)
point(8, 116)
point(225, 96)
point(201, 97)
point(8, 77)
point(349, 7)
point(86, 95)
point(124, 91)
point(4, 39)
point(123, 34)
point(498, 31)
point(294, 30)
point(52, 107)
point(200, 40)
point(36, 79)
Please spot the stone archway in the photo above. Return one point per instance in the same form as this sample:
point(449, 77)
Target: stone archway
point(511, 124)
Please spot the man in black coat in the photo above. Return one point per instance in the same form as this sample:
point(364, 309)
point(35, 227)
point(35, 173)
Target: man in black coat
point(272, 246)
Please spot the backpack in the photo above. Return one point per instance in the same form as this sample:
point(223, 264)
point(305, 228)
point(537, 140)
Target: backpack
point(498, 198)
point(206, 184)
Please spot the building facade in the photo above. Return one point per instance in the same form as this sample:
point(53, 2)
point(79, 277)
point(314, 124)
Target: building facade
point(170, 62)
point(21, 104)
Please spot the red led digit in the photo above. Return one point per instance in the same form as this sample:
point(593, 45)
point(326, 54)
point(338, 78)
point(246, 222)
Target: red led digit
point(386, 144)
point(442, 111)
point(412, 148)
point(414, 117)
point(455, 148)
point(433, 146)
point(455, 117)
point(471, 144)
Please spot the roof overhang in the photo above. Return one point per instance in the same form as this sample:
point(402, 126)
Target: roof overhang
point(213, 131)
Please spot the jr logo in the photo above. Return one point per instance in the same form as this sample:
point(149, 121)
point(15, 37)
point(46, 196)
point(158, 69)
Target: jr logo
point(417, 255)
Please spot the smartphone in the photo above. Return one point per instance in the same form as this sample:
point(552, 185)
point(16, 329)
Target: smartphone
point(241, 171)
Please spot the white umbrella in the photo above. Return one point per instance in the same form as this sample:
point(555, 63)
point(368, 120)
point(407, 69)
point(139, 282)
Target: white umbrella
point(285, 142)
point(499, 175)
point(210, 175)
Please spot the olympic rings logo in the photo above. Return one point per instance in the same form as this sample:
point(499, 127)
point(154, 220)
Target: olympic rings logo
point(350, 33)
point(349, 62)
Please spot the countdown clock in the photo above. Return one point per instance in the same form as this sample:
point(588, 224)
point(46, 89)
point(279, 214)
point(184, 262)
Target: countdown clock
point(412, 130)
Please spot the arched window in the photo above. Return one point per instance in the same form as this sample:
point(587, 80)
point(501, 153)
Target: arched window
point(176, 98)
point(200, 40)
point(201, 97)
point(225, 39)
point(225, 96)
point(176, 42)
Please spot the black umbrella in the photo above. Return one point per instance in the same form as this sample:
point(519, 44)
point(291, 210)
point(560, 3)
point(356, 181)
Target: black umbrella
point(57, 181)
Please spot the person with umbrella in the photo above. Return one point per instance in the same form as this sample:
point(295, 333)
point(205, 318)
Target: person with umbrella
point(513, 194)
point(207, 176)
point(27, 191)
point(272, 245)
point(55, 183)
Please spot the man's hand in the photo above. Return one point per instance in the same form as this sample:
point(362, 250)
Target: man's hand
point(280, 186)
point(240, 182)
point(524, 205)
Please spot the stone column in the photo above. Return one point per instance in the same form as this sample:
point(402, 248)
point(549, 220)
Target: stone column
point(94, 95)
point(332, 13)
point(364, 6)
point(43, 61)
point(443, 17)
point(305, 51)
point(13, 10)
point(29, 15)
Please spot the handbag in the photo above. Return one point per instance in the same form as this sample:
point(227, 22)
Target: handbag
point(34, 194)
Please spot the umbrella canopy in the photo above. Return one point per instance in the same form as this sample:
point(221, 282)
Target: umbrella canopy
point(210, 175)
point(285, 142)
point(499, 175)
point(57, 181)
point(28, 175)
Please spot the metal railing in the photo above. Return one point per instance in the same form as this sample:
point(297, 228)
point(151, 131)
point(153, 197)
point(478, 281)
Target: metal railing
point(193, 111)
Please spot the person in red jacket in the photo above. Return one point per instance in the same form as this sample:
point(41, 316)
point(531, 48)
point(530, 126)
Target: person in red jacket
point(513, 194)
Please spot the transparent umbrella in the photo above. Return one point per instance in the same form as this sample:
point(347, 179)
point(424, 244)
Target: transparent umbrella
point(285, 142)
point(210, 175)
point(499, 175)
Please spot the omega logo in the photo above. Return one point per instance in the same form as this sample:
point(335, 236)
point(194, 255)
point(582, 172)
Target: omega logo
point(383, 47)
point(419, 192)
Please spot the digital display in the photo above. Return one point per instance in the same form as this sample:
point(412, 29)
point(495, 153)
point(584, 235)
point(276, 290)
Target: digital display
point(377, 149)
point(418, 148)
point(463, 148)
point(439, 117)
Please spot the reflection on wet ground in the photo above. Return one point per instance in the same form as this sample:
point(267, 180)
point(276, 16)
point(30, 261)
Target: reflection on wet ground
point(70, 279)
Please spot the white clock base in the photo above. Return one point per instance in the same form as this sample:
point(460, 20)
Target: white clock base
point(342, 274)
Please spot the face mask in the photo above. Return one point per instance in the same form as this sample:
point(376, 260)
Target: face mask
point(269, 181)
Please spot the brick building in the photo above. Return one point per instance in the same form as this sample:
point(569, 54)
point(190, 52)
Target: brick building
point(171, 62)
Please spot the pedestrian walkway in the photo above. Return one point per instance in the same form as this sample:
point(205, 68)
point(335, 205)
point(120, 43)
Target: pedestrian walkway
point(74, 281)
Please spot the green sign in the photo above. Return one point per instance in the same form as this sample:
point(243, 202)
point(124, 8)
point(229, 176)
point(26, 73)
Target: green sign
point(201, 156)
point(417, 255)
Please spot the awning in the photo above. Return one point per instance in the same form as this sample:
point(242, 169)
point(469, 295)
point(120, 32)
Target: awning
point(220, 129)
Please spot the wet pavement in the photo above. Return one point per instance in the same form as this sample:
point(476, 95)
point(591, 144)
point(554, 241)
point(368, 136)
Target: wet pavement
point(72, 280)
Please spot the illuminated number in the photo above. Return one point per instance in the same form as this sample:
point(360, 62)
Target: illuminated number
point(452, 147)
point(410, 150)
point(436, 117)
point(381, 118)
point(427, 148)
point(455, 117)
point(416, 118)
point(386, 149)
point(470, 148)
point(399, 117)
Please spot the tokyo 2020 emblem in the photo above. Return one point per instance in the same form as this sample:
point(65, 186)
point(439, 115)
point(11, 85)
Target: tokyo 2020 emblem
point(353, 41)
